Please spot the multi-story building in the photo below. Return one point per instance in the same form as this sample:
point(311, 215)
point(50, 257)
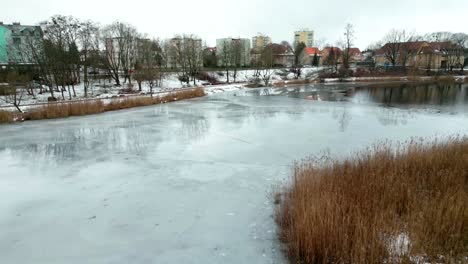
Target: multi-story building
point(16, 41)
point(179, 46)
point(306, 36)
point(233, 51)
point(260, 41)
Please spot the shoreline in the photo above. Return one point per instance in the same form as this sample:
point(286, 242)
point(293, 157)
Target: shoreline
point(64, 109)
point(402, 79)
point(7, 116)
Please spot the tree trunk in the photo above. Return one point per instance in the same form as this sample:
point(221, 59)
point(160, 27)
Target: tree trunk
point(117, 79)
point(17, 107)
point(62, 90)
point(69, 92)
point(51, 88)
point(85, 81)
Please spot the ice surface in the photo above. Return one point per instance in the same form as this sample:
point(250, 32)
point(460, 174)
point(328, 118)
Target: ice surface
point(186, 182)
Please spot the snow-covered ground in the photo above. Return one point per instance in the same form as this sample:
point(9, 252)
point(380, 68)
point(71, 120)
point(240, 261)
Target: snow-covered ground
point(105, 89)
point(187, 182)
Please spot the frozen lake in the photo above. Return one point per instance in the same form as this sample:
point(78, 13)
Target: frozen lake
point(190, 182)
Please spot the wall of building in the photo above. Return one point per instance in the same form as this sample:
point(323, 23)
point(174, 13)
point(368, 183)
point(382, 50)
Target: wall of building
point(4, 36)
point(260, 41)
point(221, 44)
point(304, 36)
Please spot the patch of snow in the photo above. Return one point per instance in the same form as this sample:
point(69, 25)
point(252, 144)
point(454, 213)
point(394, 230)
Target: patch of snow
point(399, 245)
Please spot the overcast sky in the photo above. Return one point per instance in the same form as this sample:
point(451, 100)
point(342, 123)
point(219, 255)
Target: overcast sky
point(211, 19)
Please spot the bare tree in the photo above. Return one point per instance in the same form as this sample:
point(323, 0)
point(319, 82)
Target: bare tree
point(88, 37)
point(194, 55)
point(332, 57)
point(148, 63)
point(14, 92)
point(453, 54)
point(33, 50)
point(225, 57)
point(119, 42)
point(61, 33)
point(397, 48)
point(186, 54)
point(263, 67)
point(348, 43)
point(452, 45)
point(165, 53)
point(237, 51)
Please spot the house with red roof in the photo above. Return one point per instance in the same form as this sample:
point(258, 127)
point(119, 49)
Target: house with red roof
point(280, 55)
point(337, 53)
point(308, 54)
point(421, 54)
point(356, 55)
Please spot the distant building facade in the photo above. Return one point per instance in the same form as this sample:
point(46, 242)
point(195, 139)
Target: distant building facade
point(178, 44)
point(331, 55)
point(283, 55)
point(233, 51)
point(260, 41)
point(306, 36)
point(421, 54)
point(355, 55)
point(15, 41)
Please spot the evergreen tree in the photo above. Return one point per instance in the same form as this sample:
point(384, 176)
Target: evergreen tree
point(315, 61)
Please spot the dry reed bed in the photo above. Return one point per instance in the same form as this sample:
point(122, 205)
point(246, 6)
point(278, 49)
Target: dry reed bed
point(400, 204)
point(6, 117)
point(62, 110)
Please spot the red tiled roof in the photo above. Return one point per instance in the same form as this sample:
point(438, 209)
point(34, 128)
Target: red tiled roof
point(355, 51)
point(335, 49)
point(312, 51)
point(409, 46)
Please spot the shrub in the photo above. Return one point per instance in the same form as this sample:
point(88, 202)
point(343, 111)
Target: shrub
point(344, 73)
point(361, 72)
point(204, 76)
point(184, 78)
point(385, 205)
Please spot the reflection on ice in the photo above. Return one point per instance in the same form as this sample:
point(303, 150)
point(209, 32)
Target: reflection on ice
point(190, 181)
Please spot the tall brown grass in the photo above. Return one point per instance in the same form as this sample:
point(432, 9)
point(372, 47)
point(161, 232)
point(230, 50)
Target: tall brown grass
point(80, 108)
point(51, 111)
point(356, 210)
point(6, 117)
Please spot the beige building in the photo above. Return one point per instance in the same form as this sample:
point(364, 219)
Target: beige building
point(422, 54)
point(306, 36)
point(260, 41)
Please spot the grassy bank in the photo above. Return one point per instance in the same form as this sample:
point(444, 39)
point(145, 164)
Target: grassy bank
point(381, 206)
point(80, 108)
